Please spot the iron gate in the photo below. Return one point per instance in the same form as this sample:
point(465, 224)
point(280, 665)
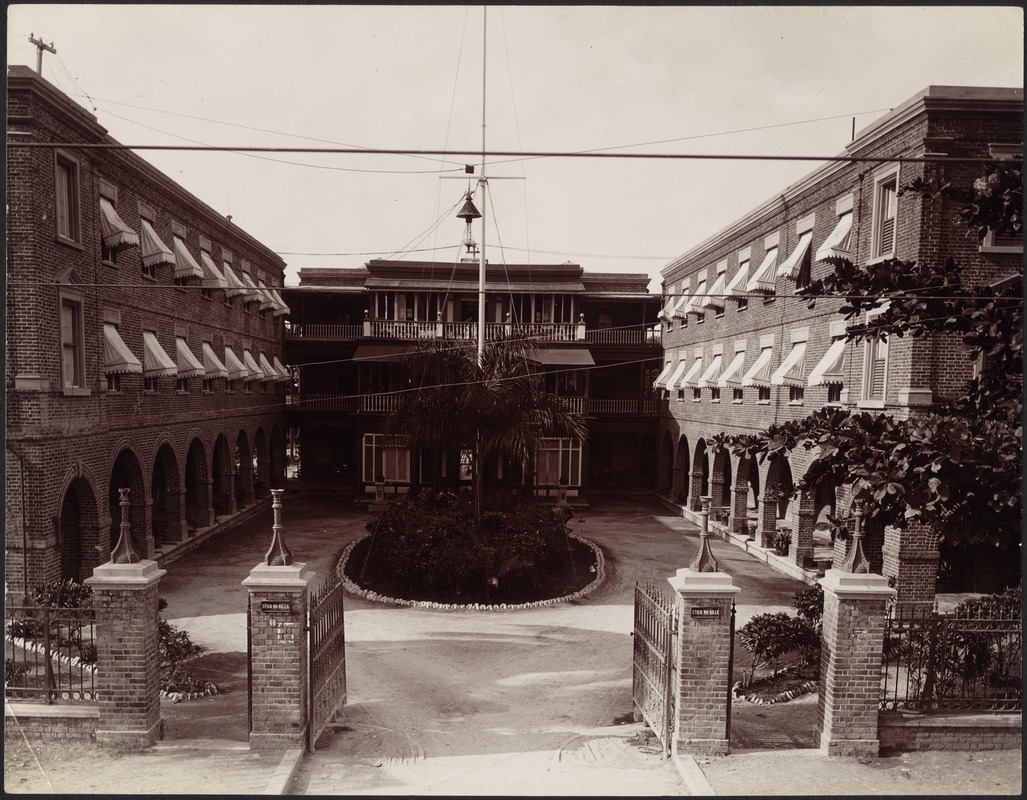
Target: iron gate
point(326, 657)
point(652, 675)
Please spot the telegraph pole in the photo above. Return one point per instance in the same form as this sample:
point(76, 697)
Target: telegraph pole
point(40, 47)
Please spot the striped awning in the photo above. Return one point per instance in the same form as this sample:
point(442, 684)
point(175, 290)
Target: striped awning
point(732, 374)
point(790, 373)
point(252, 293)
point(790, 267)
point(212, 276)
point(116, 233)
point(235, 286)
point(736, 289)
point(836, 245)
point(661, 379)
point(267, 302)
point(712, 374)
point(156, 363)
point(672, 381)
point(830, 369)
point(185, 264)
point(236, 369)
point(715, 298)
point(212, 364)
point(188, 365)
point(759, 372)
point(692, 376)
point(255, 372)
point(281, 307)
point(283, 372)
point(269, 372)
point(764, 279)
point(118, 359)
point(155, 252)
point(696, 301)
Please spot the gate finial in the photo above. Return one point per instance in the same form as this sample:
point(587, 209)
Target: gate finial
point(278, 554)
point(856, 561)
point(123, 553)
point(703, 561)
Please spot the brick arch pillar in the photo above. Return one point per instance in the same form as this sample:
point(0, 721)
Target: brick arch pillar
point(804, 520)
point(768, 515)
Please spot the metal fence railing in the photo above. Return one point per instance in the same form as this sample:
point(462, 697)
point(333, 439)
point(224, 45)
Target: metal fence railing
point(936, 662)
point(49, 654)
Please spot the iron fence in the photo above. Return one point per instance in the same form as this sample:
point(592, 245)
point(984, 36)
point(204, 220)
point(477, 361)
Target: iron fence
point(936, 663)
point(50, 654)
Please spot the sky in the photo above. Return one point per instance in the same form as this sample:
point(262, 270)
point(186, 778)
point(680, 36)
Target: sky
point(769, 80)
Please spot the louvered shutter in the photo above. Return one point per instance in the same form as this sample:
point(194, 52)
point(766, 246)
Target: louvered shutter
point(68, 344)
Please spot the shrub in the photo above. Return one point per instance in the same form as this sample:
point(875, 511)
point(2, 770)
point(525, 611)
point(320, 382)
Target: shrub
point(64, 594)
point(769, 637)
point(176, 647)
point(424, 543)
point(809, 603)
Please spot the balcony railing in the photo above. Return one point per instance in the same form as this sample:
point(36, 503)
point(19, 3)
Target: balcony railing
point(316, 330)
point(624, 336)
point(385, 402)
point(464, 331)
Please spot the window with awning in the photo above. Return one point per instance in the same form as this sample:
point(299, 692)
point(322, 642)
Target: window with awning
point(696, 301)
point(252, 293)
point(269, 371)
point(255, 373)
point(836, 245)
point(764, 279)
point(281, 307)
point(235, 286)
point(236, 369)
point(715, 299)
point(736, 289)
point(188, 365)
point(759, 372)
point(712, 374)
point(283, 372)
point(562, 356)
point(679, 307)
point(156, 363)
point(692, 376)
point(790, 267)
point(116, 233)
point(212, 364)
point(212, 276)
point(118, 359)
point(267, 302)
point(678, 372)
point(792, 369)
point(155, 252)
point(732, 374)
point(661, 379)
point(830, 369)
point(185, 264)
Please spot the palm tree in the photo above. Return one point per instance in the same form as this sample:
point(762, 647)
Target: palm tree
point(492, 407)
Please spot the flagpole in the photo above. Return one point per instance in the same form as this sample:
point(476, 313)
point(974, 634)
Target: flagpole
point(483, 183)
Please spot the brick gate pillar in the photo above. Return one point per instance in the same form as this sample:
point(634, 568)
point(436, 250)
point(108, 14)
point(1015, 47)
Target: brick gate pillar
point(278, 597)
point(855, 608)
point(910, 559)
point(704, 597)
point(127, 653)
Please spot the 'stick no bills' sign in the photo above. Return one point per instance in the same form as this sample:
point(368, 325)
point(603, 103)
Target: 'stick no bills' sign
point(706, 611)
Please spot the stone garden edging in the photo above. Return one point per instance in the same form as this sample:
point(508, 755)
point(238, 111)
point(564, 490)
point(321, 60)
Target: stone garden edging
point(375, 597)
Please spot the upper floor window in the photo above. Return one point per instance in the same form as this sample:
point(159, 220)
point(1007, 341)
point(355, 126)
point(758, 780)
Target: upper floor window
point(886, 200)
point(67, 199)
point(72, 355)
point(875, 367)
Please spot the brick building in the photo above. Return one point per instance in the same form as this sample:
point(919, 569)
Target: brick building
point(144, 350)
point(349, 327)
point(741, 351)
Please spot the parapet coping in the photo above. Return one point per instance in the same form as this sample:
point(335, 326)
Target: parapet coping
point(1012, 720)
point(55, 711)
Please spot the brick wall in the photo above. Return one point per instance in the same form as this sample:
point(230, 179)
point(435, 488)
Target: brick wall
point(51, 723)
point(91, 438)
point(902, 733)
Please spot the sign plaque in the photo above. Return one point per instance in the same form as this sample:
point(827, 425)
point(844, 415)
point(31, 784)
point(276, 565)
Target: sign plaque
point(275, 607)
point(700, 612)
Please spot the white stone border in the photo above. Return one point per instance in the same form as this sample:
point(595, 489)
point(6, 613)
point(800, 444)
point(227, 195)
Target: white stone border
point(374, 597)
